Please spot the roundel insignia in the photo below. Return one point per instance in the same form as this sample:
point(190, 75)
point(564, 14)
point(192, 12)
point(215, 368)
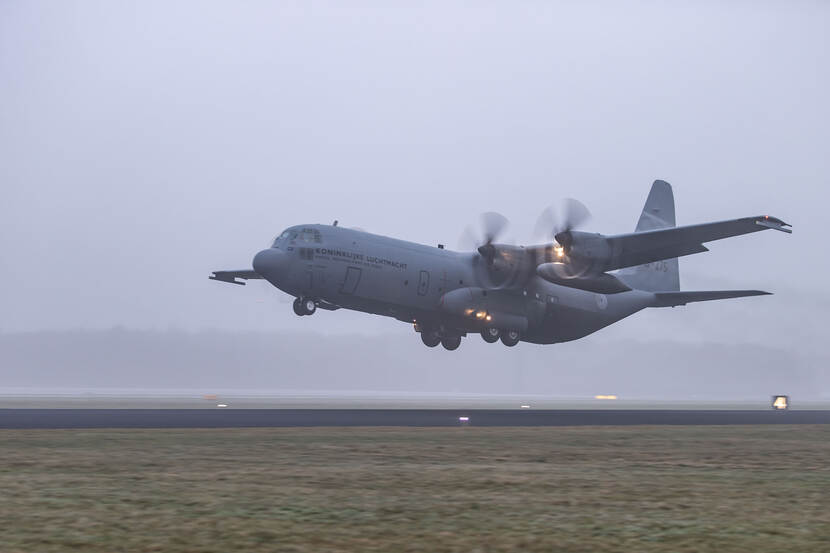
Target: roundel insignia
point(602, 301)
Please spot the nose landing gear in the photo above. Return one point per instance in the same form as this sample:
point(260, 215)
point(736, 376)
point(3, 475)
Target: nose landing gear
point(304, 306)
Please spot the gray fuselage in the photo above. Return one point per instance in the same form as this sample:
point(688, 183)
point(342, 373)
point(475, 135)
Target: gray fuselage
point(431, 286)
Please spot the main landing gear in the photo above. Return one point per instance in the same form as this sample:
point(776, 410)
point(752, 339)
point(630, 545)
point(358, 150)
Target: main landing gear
point(432, 338)
point(451, 342)
point(304, 306)
point(491, 335)
point(508, 337)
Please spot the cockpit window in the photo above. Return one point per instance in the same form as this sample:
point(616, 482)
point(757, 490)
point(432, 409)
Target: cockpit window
point(287, 235)
point(311, 235)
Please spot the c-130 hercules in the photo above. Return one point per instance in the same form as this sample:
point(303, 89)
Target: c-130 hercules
point(544, 294)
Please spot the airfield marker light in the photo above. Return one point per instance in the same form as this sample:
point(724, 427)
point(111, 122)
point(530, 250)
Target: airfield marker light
point(525, 406)
point(780, 403)
point(221, 404)
point(611, 396)
point(464, 420)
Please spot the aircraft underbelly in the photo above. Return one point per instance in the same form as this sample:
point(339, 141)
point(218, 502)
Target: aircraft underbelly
point(574, 314)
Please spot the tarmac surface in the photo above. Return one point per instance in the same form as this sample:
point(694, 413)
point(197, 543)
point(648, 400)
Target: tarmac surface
point(240, 418)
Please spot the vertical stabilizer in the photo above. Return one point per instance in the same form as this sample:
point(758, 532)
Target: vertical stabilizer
point(658, 212)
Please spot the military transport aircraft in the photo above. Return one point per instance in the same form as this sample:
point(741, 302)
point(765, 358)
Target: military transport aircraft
point(562, 290)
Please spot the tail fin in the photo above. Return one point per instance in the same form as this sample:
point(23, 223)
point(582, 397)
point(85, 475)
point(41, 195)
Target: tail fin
point(658, 212)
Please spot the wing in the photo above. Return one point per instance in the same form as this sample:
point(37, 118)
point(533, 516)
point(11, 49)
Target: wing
point(231, 276)
point(638, 248)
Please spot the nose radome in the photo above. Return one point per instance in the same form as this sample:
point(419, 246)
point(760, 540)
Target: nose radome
point(269, 263)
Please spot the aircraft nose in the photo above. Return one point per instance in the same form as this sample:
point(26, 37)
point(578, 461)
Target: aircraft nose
point(269, 263)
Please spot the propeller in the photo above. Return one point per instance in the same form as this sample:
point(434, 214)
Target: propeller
point(497, 264)
point(492, 226)
point(558, 223)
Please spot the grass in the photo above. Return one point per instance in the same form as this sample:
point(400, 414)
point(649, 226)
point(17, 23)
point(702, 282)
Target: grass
point(601, 489)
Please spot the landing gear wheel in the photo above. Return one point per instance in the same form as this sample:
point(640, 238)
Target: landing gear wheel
point(451, 342)
point(430, 338)
point(510, 337)
point(304, 306)
point(491, 335)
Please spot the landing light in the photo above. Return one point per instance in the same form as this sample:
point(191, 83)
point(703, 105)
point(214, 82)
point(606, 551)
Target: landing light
point(489, 318)
point(779, 403)
point(605, 397)
point(481, 314)
point(559, 250)
point(221, 404)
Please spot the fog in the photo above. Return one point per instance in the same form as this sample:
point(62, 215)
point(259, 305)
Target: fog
point(143, 146)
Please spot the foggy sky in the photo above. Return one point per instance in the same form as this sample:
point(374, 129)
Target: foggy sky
point(144, 145)
point(262, 364)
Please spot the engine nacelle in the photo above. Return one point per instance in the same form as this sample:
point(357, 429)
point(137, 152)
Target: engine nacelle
point(483, 308)
point(584, 254)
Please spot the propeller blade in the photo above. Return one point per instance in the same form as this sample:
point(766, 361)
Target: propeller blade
point(575, 214)
point(570, 214)
point(468, 239)
point(493, 225)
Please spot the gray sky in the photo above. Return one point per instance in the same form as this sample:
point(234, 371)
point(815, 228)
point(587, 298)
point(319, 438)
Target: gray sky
point(144, 145)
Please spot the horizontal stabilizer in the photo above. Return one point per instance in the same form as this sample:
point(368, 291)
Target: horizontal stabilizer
point(231, 276)
point(672, 299)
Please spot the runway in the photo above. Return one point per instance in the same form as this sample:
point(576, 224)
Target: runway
point(240, 418)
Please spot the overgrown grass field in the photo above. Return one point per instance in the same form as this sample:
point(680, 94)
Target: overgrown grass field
point(633, 489)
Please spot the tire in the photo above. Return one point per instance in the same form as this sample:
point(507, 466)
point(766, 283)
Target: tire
point(430, 338)
point(309, 307)
point(491, 335)
point(298, 307)
point(451, 342)
point(510, 338)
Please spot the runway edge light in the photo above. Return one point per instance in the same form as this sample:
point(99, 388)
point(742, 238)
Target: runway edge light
point(780, 403)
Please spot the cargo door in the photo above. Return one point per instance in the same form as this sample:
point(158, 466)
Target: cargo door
point(351, 280)
point(423, 283)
